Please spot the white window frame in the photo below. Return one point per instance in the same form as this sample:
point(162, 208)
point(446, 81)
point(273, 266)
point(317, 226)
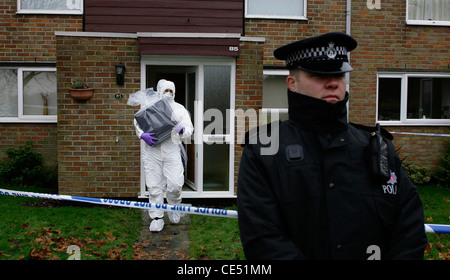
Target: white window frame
point(200, 62)
point(21, 118)
point(404, 121)
point(279, 111)
point(303, 17)
point(78, 11)
point(424, 22)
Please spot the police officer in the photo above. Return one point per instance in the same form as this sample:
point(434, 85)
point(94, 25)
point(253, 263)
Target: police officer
point(333, 190)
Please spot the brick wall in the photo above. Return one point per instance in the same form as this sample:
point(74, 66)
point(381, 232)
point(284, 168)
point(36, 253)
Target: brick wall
point(98, 151)
point(249, 90)
point(42, 137)
point(323, 17)
point(31, 38)
point(91, 162)
point(385, 42)
point(419, 149)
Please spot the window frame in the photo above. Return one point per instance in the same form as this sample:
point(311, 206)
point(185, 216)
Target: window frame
point(199, 62)
point(262, 16)
point(78, 11)
point(404, 121)
point(21, 118)
point(270, 110)
point(424, 22)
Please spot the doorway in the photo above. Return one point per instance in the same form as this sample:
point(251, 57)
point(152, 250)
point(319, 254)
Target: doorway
point(203, 86)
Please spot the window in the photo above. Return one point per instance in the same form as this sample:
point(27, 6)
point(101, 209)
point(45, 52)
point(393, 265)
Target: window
point(281, 9)
point(28, 95)
point(50, 7)
point(416, 99)
point(428, 12)
point(275, 94)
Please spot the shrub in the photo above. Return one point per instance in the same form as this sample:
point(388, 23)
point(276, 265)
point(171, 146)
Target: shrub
point(442, 174)
point(418, 175)
point(23, 167)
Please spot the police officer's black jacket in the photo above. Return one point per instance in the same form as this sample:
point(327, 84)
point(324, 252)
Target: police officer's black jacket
point(316, 198)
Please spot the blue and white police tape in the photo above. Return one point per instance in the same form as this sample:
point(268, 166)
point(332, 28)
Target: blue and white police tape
point(128, 204)
point(434, 228)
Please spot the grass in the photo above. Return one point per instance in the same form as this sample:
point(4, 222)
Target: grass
point(214, 238)
point(32, 229)
point(36, 229)
point(436, 206)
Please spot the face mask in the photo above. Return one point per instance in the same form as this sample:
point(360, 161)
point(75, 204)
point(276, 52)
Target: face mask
point(168, 96)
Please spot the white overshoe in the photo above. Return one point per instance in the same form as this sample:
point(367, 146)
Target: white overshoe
point(174, 217)
point(157, 225)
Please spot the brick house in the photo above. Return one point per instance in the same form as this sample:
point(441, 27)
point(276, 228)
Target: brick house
point(219, 54)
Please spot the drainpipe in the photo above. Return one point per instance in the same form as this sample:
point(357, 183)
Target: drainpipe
point(348, 17)
point(348, 26)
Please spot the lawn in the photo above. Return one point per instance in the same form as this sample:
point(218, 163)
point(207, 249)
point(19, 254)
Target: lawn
point(214, 238)
point(44, 229)
point(40, 229)
point(436, 206)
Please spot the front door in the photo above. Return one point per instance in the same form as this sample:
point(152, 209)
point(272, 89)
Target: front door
point(206, 88)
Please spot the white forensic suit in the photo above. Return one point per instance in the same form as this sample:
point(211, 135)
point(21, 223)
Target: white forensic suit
point(162, 162)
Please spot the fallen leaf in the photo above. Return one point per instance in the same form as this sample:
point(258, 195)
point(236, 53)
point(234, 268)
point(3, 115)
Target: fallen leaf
point(110, 236)
point(41, 253)
point(115, 254)
point(99, 243)
point(97, 253)
point(444, 256)
point(4, 255)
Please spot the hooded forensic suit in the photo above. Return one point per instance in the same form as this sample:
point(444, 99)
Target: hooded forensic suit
point(162, 161)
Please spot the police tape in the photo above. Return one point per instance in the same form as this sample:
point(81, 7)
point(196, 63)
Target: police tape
point(129, 204)
point(422, 134)
point(434, 228)
point(431, 228)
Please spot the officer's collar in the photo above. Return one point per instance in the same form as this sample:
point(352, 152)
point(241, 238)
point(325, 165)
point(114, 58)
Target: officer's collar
point(317, 115)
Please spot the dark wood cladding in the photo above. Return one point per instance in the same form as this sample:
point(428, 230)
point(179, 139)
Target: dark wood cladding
point(189, 46)
point(186, 16)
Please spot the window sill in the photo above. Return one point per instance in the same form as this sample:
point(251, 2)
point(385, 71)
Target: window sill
point(418, 122)
point(299, 18)
point(29, 119)
point(428, 22)
point(49, 12)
